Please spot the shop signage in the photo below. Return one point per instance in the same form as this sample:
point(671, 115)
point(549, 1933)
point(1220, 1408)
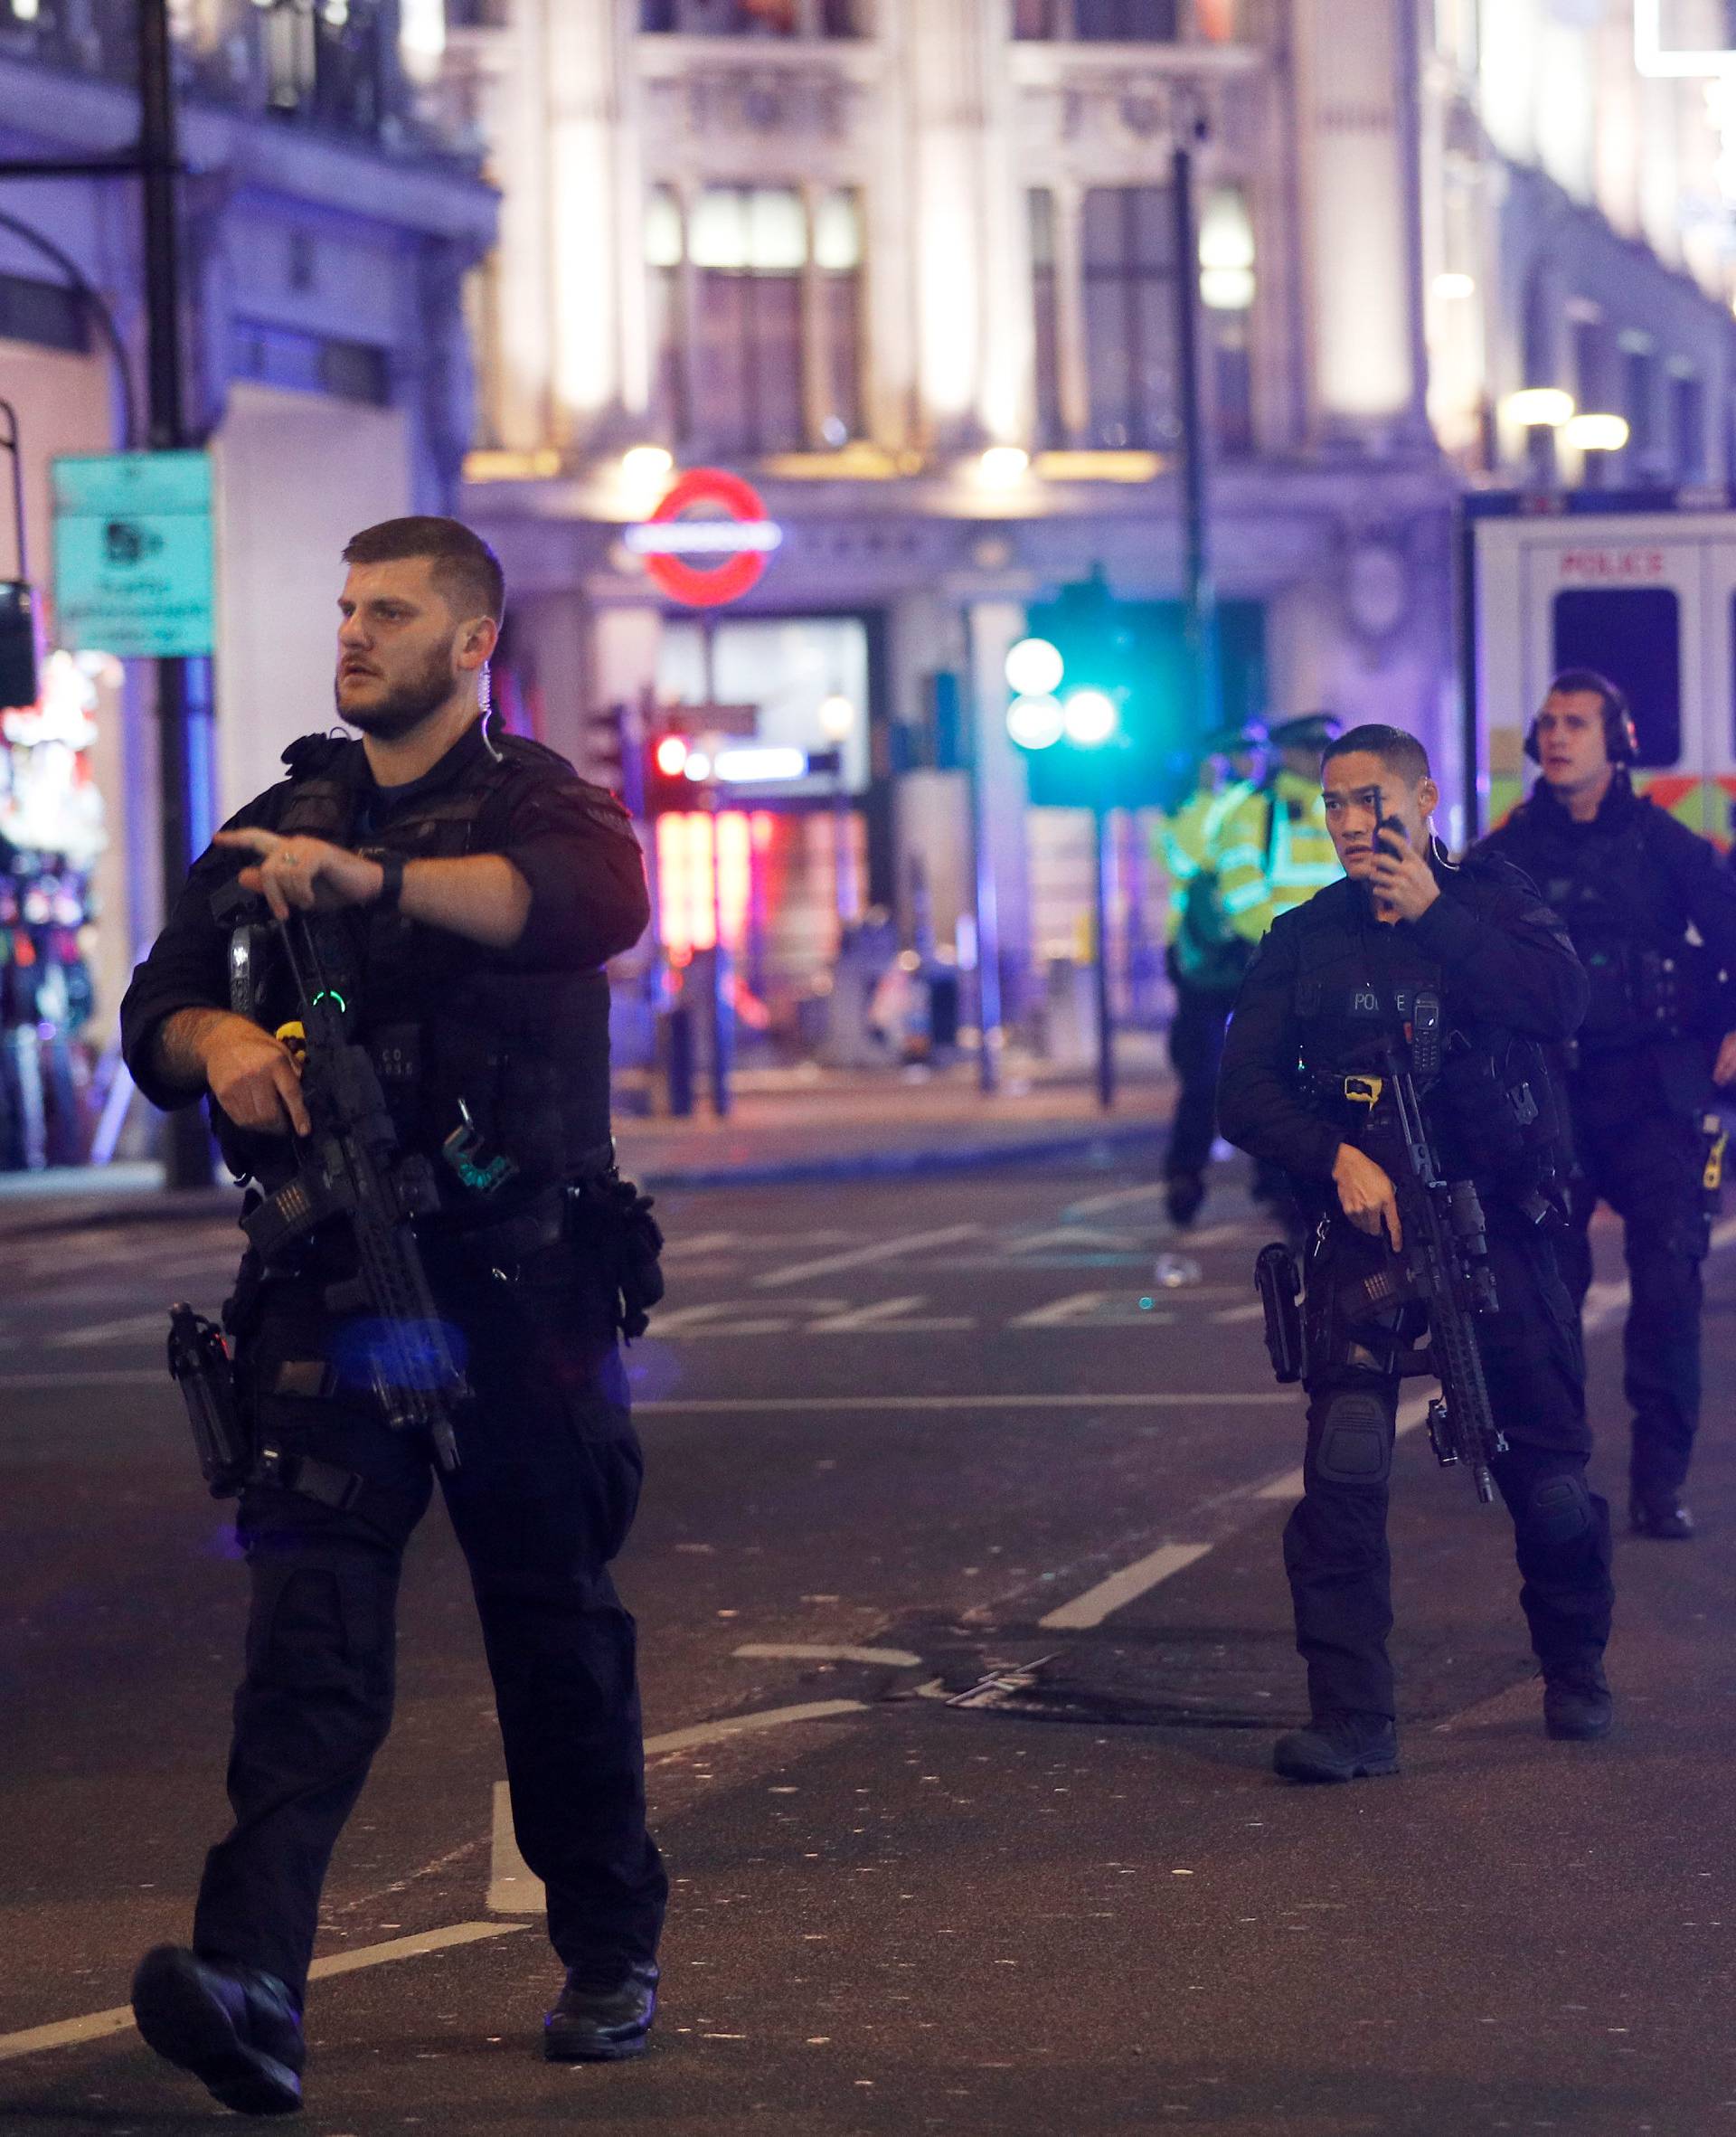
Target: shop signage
point(132, 554)
point(714, 515)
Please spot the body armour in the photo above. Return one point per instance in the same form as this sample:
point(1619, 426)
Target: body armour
point(1619, 885)
point(513, 1061)
point(1495, 1107)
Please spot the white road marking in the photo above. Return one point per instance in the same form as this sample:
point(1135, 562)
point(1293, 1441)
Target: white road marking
point(1075, 1235)
point(1155, 1399)
point(772, 1651)
point(861, 1257)
point(514, 1887)
point(99, 2024)
point(702, 1243)
point(130, 1328)
point(1231, 1315)
point(1094, 1205)
point(887, 1317)
point(1121, 1588)
point(1097, 1309)
point(92, 1377)
point(749, 1725)
point(1077, 1306)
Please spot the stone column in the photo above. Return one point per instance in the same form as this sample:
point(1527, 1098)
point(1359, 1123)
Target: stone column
point(1356, 97)
point(587, 59)
point(943, 54)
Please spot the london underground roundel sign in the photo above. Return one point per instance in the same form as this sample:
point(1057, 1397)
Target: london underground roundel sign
point(709, 541)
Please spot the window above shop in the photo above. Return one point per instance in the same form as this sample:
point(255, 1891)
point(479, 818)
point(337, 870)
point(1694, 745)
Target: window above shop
point(45, 313)
point(1126, 21)
point(311, 363)
point(755, 298)
point(755, 18)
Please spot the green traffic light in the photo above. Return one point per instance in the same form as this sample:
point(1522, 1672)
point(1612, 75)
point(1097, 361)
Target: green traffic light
point(1089, 718)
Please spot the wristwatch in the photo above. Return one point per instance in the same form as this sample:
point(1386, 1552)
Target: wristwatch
point(391, 879)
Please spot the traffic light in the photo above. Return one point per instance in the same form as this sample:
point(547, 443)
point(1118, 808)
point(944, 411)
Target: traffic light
point(1100, 696)
point(676, 772)
point(1078, 698)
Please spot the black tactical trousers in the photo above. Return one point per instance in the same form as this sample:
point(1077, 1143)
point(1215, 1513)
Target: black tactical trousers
point(543, 1499)
point(1334, 1545)
point(1195, 1049)
point(1645, 1161)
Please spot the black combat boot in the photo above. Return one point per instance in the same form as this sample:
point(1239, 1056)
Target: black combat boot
point(1339, 1747)
point(1661, 1516)
point(235, 2027)
point(1184, 1192)
point(602, 2020)
point(1577, 1705)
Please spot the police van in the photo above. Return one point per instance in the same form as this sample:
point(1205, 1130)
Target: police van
point(1643, 589)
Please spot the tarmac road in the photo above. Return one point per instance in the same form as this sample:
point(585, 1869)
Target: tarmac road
point(910, 1443)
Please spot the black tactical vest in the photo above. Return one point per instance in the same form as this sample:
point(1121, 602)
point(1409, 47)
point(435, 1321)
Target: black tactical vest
point(1494, 1109)
point(451, 1026)
point(1611, 892)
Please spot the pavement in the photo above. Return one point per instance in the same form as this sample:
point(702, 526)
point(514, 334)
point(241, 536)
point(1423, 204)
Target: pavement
point(783, 1125)
point(965, 1640)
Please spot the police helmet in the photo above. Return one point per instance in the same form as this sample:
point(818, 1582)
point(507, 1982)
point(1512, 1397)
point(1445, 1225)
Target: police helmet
point(1621, 736)
point(1310, 731)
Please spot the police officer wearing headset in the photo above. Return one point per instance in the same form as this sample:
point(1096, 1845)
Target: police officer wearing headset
point(1653, 916)
point(481, 885)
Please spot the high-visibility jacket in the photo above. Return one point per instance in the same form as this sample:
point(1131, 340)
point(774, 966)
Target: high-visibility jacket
point(1185, 847)
point(1273, 853)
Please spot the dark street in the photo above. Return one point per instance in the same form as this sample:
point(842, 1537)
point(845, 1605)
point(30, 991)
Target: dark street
point(965, 1636)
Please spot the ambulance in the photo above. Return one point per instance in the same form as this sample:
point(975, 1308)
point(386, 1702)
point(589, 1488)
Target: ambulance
point(1642, 589)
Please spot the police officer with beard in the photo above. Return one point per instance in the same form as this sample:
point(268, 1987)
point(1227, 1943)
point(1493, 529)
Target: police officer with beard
point(1653, 916)
point(1334, 983)
point(481, 885)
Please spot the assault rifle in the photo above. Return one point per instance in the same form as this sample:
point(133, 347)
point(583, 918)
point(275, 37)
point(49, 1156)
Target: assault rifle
point(350, 1168)
point(1446, 1251)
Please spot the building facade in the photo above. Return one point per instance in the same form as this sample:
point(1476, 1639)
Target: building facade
point(327, 229)
point(912, 267)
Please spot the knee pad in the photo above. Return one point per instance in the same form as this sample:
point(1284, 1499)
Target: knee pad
point(1559, 1510)
point(1356, 1441)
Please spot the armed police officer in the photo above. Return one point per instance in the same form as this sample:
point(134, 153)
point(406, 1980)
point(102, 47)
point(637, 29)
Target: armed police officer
point(1653, 916)
point(1205, 955)
point(478, 886)
point(1339, 987)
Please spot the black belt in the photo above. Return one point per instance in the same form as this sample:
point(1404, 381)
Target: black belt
point(542, 1223)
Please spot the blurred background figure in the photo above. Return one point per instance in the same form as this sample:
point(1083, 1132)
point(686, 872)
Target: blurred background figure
point(1204, 954)
point(1274, 852)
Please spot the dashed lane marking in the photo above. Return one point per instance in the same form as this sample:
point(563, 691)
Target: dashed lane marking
point(1229, 1317)
point(1121, 1588)
point(888, 1316)
point(514, 1888)
point(861, 1257)
point(99, 2024)
point(132, 1328)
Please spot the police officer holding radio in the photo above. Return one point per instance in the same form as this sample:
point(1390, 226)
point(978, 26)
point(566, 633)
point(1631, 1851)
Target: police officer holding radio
point(1335, 991)
point(479, 885)
point(1653, 916)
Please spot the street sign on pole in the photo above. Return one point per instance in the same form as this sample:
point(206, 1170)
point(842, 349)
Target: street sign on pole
point(132, 554)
